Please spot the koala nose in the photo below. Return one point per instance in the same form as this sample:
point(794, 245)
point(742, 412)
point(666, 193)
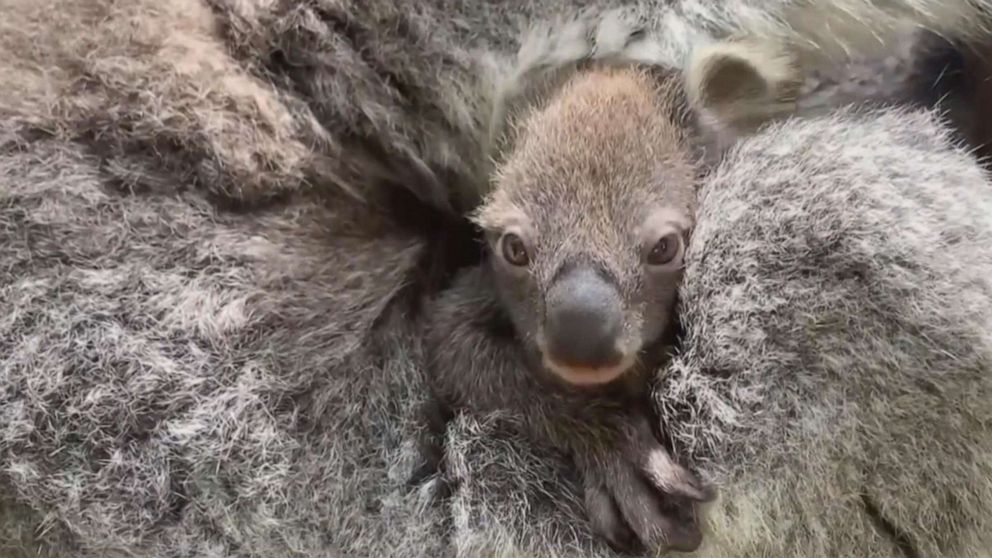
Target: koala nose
point(584, 320)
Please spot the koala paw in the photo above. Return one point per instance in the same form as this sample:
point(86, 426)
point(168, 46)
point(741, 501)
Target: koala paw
point(637, 498)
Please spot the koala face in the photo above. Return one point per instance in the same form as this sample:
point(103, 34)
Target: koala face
point(588, 223)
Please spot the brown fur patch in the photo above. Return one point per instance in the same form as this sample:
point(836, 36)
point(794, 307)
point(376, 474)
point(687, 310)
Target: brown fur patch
point(601, 125)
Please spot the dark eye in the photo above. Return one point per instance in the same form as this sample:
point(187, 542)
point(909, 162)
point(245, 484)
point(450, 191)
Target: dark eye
point(665, 250)
point(514, 250)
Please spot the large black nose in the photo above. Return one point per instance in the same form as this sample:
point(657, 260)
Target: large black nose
point(584, 320)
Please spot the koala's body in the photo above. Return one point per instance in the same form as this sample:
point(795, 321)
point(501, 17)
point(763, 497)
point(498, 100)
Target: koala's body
point(598, 135)
point(587, 221)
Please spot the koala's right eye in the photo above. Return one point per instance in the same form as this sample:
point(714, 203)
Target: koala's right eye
point(514, 250)
point(665, 250)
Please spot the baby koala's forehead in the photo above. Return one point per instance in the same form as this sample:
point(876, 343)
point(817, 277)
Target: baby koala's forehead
point(608, 132)
point(604, 112)
point(602, 153)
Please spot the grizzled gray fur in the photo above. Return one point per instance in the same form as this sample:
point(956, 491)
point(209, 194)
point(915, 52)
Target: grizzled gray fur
point(834, 375)
point(206, 351)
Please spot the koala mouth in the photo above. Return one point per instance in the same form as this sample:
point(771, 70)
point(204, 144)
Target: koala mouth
point(587, 375)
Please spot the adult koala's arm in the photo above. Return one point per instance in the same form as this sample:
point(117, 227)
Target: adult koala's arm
point(834, 376)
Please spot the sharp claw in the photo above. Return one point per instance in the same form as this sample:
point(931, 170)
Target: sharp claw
point(672, 478)
point(708, 493)
point(684, 539)
point(640, 499)
point(606, 519)
point(625, 543)
point(694, 490)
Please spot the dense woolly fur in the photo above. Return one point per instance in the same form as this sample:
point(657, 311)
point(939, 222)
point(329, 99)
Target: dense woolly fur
point(177, 379)
point(833, 378)
point(837, 316)
point(257, 99)
point(208, 300)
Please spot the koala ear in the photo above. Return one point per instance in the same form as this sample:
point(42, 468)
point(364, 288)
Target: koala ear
point(741, 84)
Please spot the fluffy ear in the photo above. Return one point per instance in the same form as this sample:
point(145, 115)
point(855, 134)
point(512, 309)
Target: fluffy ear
point(738, 85)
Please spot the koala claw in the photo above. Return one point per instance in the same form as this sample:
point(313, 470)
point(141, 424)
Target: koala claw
point(639, 498)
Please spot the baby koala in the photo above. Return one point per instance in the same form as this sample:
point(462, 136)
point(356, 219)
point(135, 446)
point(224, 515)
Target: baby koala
point(586, 226)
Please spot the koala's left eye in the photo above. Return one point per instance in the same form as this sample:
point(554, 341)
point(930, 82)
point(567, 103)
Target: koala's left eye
point(514, 250)
point(665, 250)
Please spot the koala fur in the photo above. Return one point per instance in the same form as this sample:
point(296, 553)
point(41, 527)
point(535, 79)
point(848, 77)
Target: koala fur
point(592, 175)
point(856, 291)
point(370, 97)
point(586, 196)
point(463, 327)
point(833, 378)
point(205, 338)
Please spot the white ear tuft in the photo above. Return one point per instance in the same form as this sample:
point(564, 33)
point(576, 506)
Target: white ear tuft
point(741, 84)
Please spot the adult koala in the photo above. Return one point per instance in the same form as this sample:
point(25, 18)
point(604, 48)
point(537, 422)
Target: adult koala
point(206, 351)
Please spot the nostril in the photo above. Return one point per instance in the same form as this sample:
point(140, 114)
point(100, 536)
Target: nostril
point(584, 321)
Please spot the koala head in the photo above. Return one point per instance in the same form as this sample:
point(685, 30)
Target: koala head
point(592, 206)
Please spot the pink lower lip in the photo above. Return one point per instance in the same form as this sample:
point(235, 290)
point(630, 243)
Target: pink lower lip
point(584, 375)
point(588, 376)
